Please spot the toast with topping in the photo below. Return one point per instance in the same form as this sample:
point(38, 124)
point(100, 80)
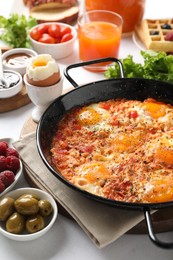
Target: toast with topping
point(65, 11)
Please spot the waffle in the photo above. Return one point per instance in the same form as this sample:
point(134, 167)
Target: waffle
point(154, 34)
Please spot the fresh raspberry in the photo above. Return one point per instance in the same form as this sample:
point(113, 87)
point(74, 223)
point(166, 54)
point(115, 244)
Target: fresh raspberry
point(3, 147)
point(7, 177)
point(3, 164)
point(2, 186)
point(13, 163)
point(12, 151)
point(169, 36)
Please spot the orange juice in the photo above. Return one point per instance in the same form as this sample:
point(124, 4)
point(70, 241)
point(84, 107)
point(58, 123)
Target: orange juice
point(99, 39)
point(131, 10)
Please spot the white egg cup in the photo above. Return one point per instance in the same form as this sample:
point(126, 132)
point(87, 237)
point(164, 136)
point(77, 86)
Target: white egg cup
point(42, 97)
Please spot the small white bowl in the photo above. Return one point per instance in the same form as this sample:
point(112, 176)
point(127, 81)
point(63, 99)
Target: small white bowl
point(18, 173)
point(42, 97)
point(51, 219)
point(56, 50)
point(14, 90)
point(18, 65)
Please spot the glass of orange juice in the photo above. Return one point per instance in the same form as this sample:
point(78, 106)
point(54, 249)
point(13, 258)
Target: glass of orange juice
point(99, 34)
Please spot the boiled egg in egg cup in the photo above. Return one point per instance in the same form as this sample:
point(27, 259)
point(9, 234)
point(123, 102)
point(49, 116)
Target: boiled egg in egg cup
point(44, 83)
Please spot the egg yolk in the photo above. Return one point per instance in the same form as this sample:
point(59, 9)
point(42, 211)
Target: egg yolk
point(127, 142)
point(39, 63)
point(155, 110)
point(164, 155)
point(88, 116)
point(95, 172)
point(160, 190)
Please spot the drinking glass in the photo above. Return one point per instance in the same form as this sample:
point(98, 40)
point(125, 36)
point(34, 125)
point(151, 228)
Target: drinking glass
point(99, 34)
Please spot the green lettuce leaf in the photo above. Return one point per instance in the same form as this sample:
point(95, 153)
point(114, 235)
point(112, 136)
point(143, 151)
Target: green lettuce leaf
point(16, 29)
point(156, 65)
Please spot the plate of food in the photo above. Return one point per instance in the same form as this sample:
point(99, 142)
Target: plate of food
point(154, 34)
point(11, 166)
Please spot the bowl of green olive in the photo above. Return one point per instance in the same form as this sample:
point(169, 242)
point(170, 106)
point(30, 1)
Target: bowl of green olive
point(27, 214)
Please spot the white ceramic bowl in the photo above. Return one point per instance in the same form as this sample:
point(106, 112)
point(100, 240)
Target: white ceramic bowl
point(56, 50)
point(19, 64)
point(18, 173)
point(12, 91)
point(42, 97)
point(50, 220)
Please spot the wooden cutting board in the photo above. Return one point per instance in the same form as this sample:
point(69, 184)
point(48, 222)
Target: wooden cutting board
point(162, 219)
point(19, 100)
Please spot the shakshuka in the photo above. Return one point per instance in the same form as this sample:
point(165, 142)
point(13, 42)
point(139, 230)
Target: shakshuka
point(118, 149)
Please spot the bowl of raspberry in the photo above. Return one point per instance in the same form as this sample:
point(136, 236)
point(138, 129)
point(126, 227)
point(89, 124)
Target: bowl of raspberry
point(10, 166)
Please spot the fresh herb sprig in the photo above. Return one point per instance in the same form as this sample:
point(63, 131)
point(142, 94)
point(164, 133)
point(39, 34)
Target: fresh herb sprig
point(16, 30)
point(156, 65)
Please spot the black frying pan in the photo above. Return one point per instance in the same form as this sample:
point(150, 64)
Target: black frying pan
point(137, 89)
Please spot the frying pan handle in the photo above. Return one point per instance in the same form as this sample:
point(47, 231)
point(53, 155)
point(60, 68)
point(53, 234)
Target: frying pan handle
point(152, 236)
point(81, 64)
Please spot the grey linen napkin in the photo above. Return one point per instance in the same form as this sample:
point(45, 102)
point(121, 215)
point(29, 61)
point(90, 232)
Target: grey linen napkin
point(103, 224)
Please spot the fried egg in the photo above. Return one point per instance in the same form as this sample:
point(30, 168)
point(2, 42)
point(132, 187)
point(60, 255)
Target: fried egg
point(151, 111)
point(94, 118)
point(164, 150)
point(154, 109)
point(161, 149)
point(91, 177)
point(159, 190)
point(127, 142)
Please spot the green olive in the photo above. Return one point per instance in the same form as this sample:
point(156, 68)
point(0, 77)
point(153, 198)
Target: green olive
point(15, 223)
point(26, 206)
point(35, 223)
point(6, 208)
point(45, 207)
point(27, 195)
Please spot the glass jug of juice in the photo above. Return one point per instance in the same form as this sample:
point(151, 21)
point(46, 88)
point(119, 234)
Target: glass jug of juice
point(132, 11)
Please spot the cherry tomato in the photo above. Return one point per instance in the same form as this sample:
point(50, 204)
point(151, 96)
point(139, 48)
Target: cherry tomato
point(35, 34)
point(62, 151)
point(106, 106)
point(65, 31)
point(133, 114)
point(46, 38)
point(66, 37)
point(57, 40)
point(54, 30)
point(43, 28)
point(86, 149)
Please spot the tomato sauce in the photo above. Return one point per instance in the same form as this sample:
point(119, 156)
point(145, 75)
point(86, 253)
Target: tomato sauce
point(121, 151)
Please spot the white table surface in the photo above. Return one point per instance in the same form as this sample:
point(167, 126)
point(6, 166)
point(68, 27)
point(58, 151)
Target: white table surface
point(66, 240)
